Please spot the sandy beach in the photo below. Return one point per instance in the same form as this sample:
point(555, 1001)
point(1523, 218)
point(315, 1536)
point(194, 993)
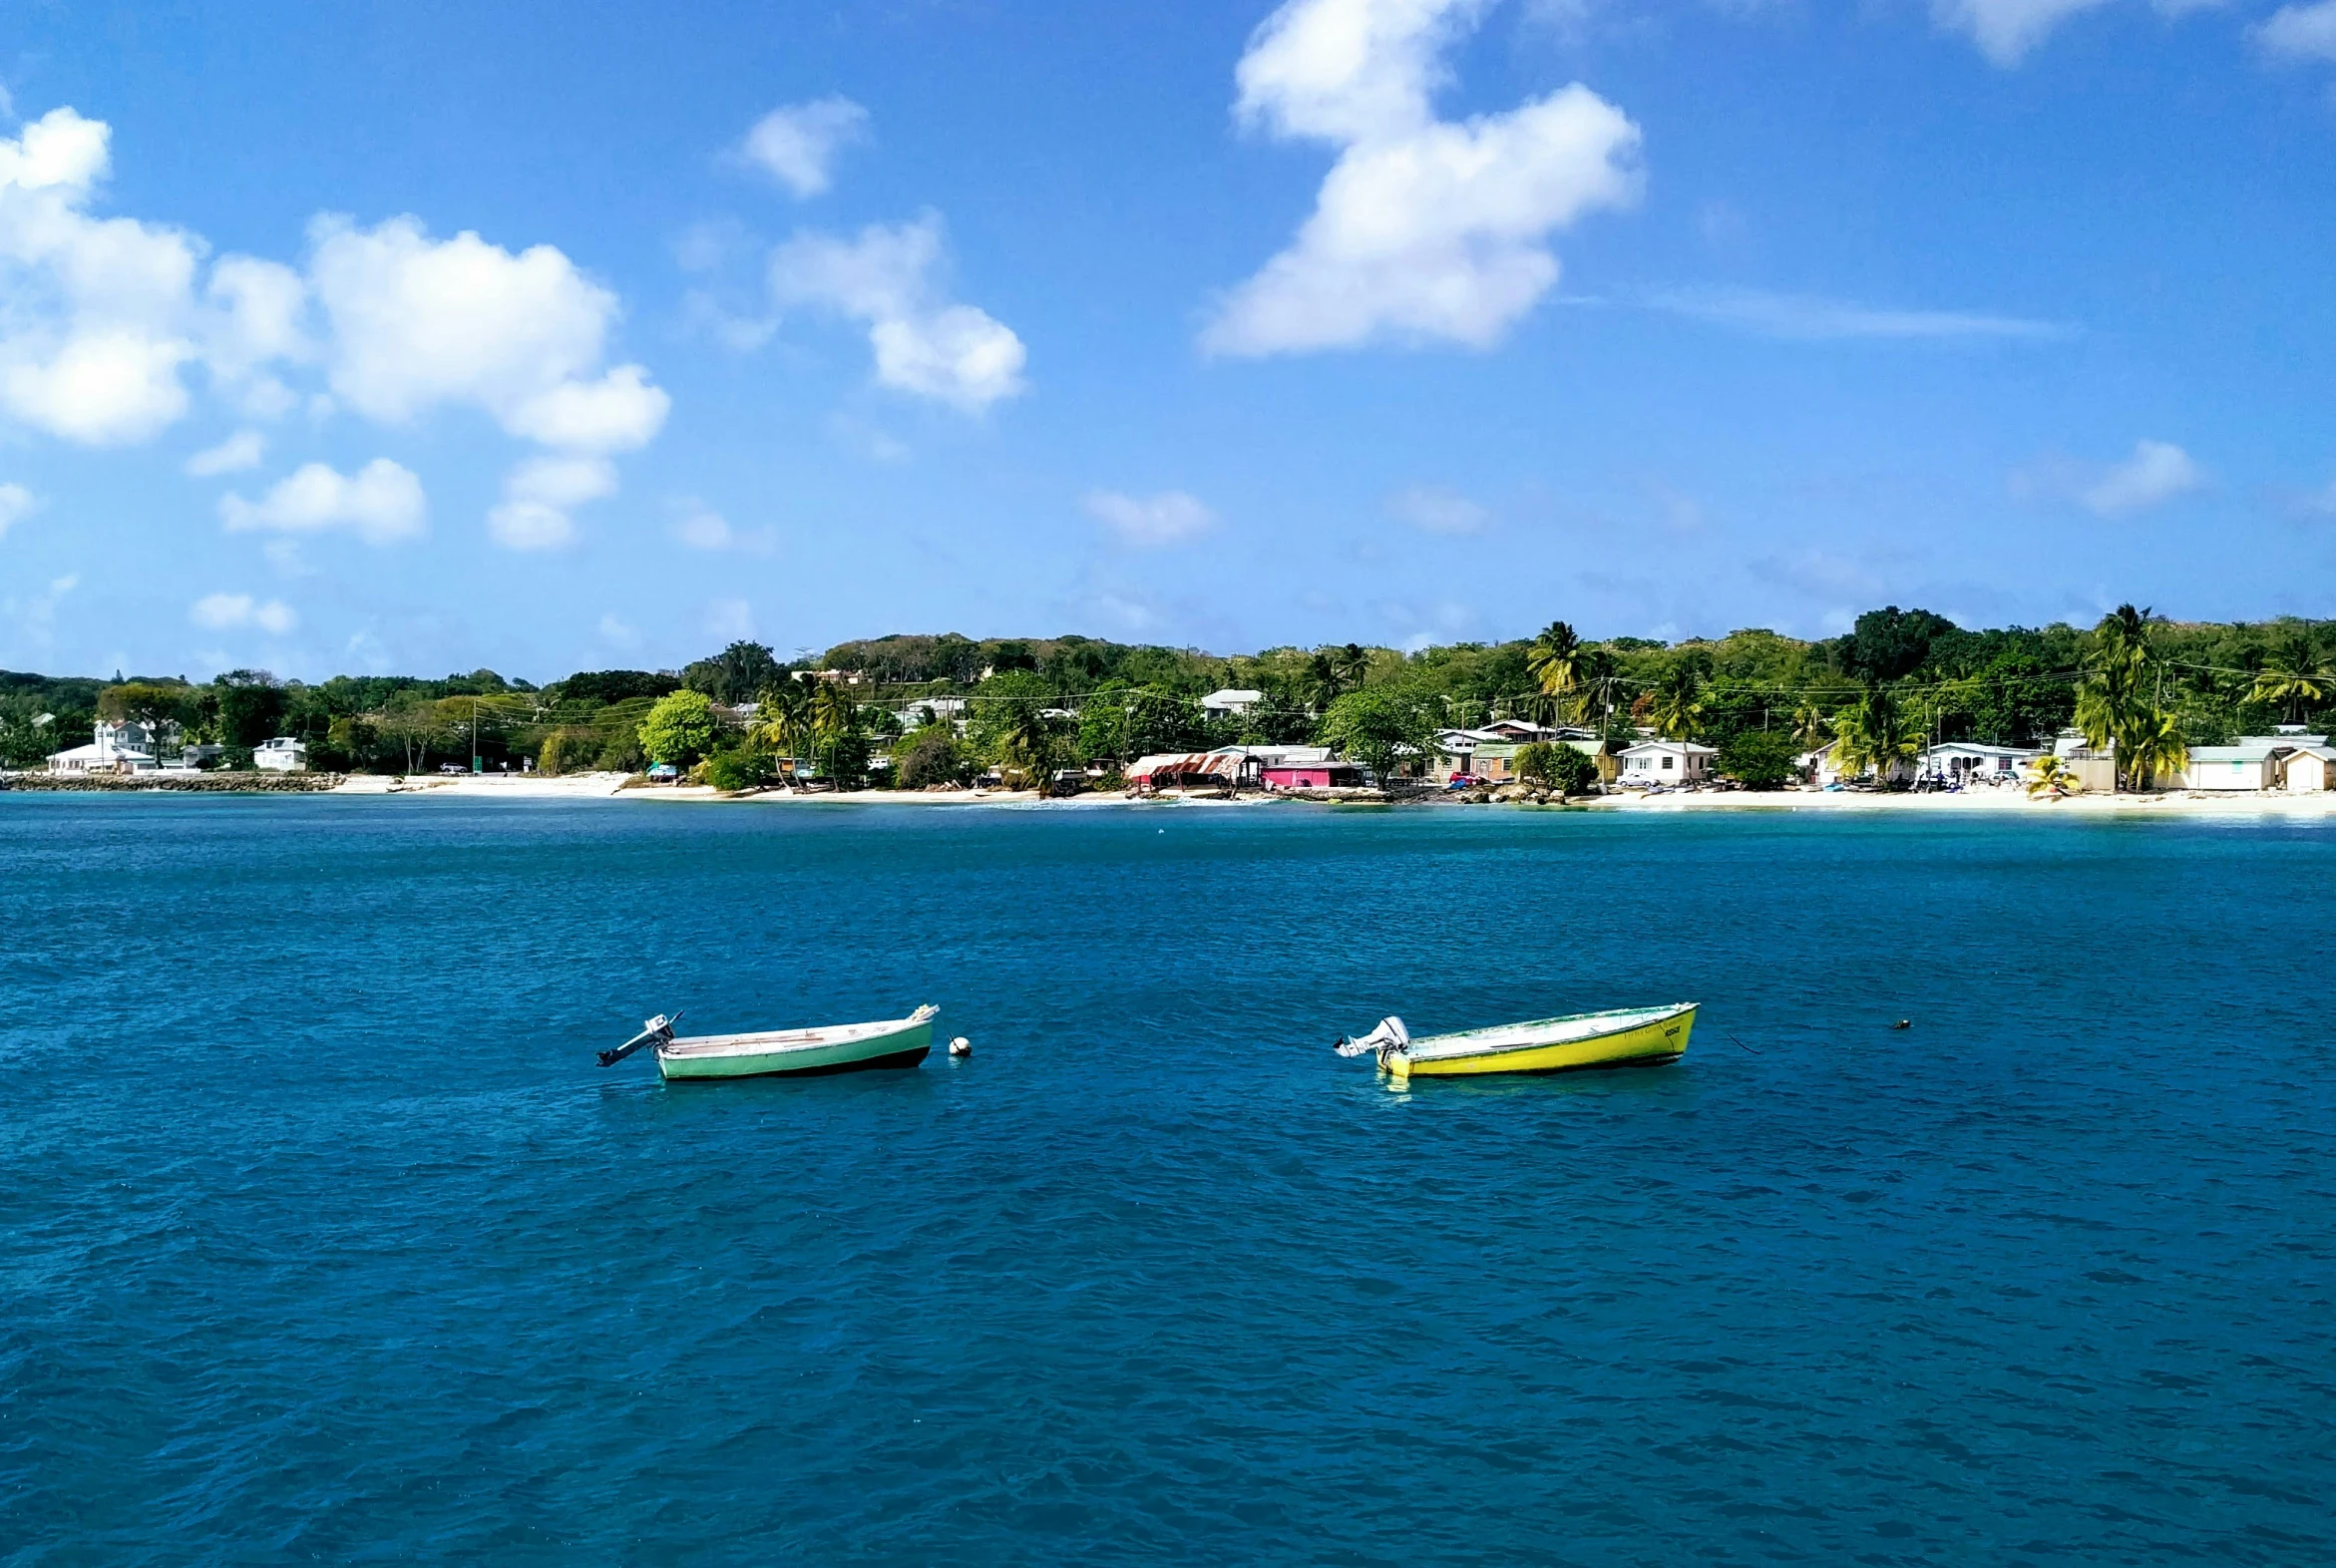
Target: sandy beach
point(2190, 803)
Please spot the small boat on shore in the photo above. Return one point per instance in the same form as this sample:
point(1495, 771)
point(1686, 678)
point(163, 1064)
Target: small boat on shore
point(1622, 1037)
point(843, 1047)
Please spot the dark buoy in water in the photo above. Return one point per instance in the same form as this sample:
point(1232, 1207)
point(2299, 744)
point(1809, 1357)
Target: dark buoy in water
point(960, 1046)
point(1903, 1023)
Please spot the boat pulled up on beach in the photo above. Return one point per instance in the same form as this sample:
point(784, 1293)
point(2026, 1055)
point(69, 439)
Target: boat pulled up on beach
point(843, 1047)
point(1622, 1037)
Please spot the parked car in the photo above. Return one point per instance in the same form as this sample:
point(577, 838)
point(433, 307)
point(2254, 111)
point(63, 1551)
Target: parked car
point(665, 773)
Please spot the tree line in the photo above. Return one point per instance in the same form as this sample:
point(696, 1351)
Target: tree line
point(945, 708)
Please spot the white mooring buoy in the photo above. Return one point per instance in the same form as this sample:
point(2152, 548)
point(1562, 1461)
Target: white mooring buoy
point(960, 1046)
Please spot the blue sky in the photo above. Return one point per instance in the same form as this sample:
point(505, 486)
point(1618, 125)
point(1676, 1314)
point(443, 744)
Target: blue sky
point(414, 338)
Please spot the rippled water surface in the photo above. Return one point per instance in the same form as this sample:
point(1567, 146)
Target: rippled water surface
point(322, 1238)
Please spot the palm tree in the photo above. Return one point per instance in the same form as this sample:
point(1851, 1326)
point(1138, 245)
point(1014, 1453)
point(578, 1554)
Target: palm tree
point(1595, 672)
point(1321, 681)
point(1679, 700)
point(1353, 665)
point(1554, 661)
point(783, 723)
point(2115, 706)
point(2294, 680)
point(2049, 776)
point(1811, 728)
point(1873, 735)
point(2154, 744)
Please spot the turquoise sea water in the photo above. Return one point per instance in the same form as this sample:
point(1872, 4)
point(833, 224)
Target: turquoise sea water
point(322, 1238)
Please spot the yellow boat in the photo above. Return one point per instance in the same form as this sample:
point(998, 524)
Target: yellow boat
point(1622, 1037)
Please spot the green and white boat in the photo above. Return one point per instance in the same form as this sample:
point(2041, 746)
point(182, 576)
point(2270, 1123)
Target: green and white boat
point(843, 1047)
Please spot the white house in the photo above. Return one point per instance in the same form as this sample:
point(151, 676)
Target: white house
point(1666, 762)
point(1969, 762)
point(121, 746)
point(1231, 700)
point(280, 755)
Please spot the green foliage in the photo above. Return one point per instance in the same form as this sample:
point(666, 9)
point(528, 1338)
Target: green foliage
point(733, 675)
point(1559, 766)
point(679, 729)
point(603, 686)
point(738, 769)
point(932, 755)
point(1891, 644)
point(1873, 735)
point(1758, 758)
point(1380, 727)
point(569, 749)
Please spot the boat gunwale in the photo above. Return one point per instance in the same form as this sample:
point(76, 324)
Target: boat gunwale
point(1639, 1018)
point(781, 1042)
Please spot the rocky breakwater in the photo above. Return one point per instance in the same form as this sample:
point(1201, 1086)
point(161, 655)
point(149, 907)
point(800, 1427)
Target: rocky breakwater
point(184, 783)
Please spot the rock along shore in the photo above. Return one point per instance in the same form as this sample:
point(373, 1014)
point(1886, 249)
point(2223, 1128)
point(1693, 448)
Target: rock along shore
point(189, 783)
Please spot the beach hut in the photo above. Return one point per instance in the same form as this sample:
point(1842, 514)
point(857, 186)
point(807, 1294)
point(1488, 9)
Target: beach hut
point(1189, 770)
point(2309, 769)
point(2249, 765)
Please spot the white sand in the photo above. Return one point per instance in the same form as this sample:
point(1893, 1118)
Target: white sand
point(580, 786)
point(2172, 802)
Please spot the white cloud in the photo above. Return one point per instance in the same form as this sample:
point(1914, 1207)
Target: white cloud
point(98, 309)
point(797, 145)
point(15, 504)
point(2300, 32)
point(238, 452)
point(2158, 472)
point(1425, 229)
point(417, 323)
point(729, 620)
point(1150, 522)
point(230, 612)
point(35, 618)
point(101, 320)
point(381, 503)
point(2005, 30)
point(703, 530)
point(886, 277)
point(616, 633)
point(539, 495)
point(1436, 510)
point(1808, 318)
point(101, 386)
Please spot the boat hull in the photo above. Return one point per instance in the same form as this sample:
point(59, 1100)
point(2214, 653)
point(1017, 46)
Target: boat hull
point(903, 1047)
point(1648, 1042)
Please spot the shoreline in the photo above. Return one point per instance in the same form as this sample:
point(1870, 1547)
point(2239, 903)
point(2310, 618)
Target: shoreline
point(2188, 804)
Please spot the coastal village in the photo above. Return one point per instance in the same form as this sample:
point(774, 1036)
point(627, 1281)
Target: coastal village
point(1504, 759)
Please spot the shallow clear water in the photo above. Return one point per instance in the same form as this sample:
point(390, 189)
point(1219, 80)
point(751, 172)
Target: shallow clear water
point(321, 1238)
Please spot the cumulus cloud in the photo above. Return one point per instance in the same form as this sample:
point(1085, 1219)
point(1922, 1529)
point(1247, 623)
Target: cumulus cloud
point(797, 143)
point(888, 276)
point(1425, 230)
point(103, 320)
point(381, 503)
point(234, 611)
point(1436, 510)
point(240, 450)
point(2300, 32)
point(2158, 472)
point(1150, 522)
point(540, 495)
point(418, 322)
point(98, 315)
